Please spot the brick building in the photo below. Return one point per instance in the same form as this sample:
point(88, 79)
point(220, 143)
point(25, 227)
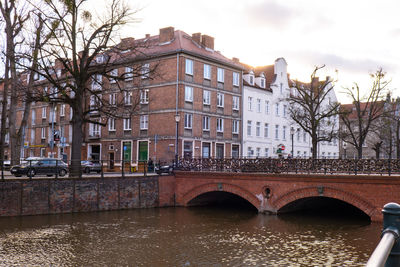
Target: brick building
point(192, 83)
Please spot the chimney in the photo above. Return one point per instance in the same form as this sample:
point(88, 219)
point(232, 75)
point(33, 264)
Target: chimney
point(166, 34)
point(207, 41)
point(196, 37)
point(147, 36)
point(235, 59)
point(126, 43)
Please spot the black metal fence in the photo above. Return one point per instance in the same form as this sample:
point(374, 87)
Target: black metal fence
point(57, 168)
point(268, 165)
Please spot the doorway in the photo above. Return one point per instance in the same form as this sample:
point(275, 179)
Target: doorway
point(220, 151)
point(94, 153)
point(111, 160)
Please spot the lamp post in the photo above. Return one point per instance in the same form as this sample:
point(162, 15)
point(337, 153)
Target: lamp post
point(344, 149)
point(177, 119)
point(292, 135)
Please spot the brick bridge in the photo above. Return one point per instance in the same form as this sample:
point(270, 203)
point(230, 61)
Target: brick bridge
point(272, 193)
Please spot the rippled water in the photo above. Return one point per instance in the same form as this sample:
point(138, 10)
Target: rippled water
point(185, 237)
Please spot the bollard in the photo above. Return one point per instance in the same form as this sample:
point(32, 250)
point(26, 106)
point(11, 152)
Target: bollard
point(391, 224)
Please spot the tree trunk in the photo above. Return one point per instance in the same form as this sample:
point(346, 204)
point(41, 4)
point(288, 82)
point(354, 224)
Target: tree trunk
point(314, 148)
point(359, 151)
point(77, 141)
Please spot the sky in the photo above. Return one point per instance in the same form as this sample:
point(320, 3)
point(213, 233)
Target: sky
point(352, 38)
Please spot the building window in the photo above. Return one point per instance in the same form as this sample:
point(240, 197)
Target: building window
point(298, 135)
point(258, 105)
point(44, 112)
point(281, 88)
point(188, 94)
point(277, 109)
point(33, 135)
point(206, 97)
point(114, 75)
point(235, 127)
point(127, 98)
point(189, 67)
point(235, 103)
point(262, 83)
point(112, 99)
point(206, 123)
point(284, 110)
point(145, 71)
point(111, 124)
point(251, 80)
point(304, 136)
point(284, 132)
point(221, 73)
point(144, 96)
point(276, 131)
point(250, 103)
point(62, 110)
point(207, 72)
point(220, 100)
point(94, 129)
point(96, 83)
point(266, 107)
point(266, 151)
point(33, 116)
point(43, 133)
point(128, 73)
point(220, 125)
point(144, 122)
point(127, 124)
point(250, 152)
point(258, 150)
point(258, 128)
point(248, 128)
point(188, 121)
point(266, 130)
point(235, 78)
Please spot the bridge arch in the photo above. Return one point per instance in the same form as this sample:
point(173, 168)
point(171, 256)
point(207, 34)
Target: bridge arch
point(320, 191)
point(222, 187)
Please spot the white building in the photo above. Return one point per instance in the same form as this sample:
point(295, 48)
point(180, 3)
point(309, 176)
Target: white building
point(267, 127)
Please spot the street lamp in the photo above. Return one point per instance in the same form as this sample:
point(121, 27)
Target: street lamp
point(344, 149)
point(292, 135)
point(177, 119)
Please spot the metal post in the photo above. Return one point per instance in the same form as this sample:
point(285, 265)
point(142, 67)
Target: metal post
point(387, 253)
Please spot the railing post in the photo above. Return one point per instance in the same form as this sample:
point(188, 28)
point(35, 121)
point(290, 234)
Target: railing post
point(391, 224)
point(122, 167)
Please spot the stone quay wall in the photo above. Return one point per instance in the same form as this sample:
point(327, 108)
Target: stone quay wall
point(66, 195)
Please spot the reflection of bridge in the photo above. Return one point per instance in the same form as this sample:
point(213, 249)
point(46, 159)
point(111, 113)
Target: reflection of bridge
point(276, 192)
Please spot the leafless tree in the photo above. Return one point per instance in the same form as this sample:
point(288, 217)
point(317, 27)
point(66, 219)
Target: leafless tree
point(78, 64)
point(366, 109)
point(312, 108)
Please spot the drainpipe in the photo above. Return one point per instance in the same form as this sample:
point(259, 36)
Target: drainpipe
point(176, 108)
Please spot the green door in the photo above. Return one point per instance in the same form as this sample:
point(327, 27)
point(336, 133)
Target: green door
point(143, 150)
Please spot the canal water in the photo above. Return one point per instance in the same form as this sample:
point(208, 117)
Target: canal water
point(198, 236)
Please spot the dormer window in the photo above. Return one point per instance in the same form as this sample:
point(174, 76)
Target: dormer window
point(252, 79)
point(262, 83)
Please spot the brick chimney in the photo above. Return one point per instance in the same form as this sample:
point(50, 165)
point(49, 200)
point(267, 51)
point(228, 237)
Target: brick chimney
point(147, 35)
point(166, 34)
point(196, 37)
point(126, 43)
point(235, 59)
point(207, 41)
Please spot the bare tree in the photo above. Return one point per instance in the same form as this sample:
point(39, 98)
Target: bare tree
point(79, 61)
point(14, 18)
point(365, 110)
point(314, 109)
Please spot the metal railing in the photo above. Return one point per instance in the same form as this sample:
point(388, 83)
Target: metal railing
point(387, 253)
point(56, 168)
point(269, 165)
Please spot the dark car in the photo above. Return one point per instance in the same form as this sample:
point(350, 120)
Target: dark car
point(160, 169)
point(37, 166)
point(90, 166)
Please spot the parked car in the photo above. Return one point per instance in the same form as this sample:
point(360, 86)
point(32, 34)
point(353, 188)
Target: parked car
point(163, 169)
point(47, 166)
point(90, 166)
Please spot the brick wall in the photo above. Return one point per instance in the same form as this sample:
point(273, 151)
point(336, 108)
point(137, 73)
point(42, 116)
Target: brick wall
point(50, 196)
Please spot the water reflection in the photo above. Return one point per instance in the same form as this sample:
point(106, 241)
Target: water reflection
point(204, 236)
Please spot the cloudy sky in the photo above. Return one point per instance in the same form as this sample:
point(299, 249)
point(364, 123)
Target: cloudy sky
point(354, 37)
